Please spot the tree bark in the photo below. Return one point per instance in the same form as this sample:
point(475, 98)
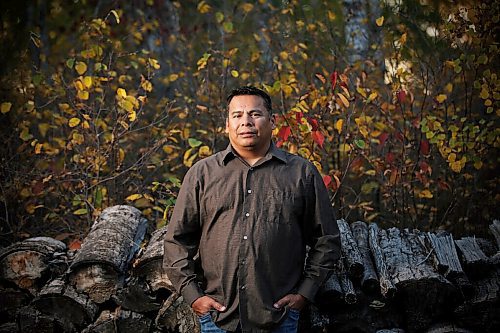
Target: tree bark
point(369, 280)
point(100, 265)
point(176, 315)
point(120, 321)
point(350, 251)
point(387, 287)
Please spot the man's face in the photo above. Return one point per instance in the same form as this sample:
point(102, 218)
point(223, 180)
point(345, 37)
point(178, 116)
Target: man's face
point(249, 124)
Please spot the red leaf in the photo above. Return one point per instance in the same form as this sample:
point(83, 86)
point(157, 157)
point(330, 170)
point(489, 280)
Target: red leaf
point(389, 158)
point(333, 79)
point(75, 244)
point(424, 147)
point(401, 96)
point(284, 133)
point(299, 116)
point(314, 123)
point(327, 180)
point(383, 138)
point(318, 137)
point(279, 143)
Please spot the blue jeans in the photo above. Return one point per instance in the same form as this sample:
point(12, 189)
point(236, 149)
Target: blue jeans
point(290, 324)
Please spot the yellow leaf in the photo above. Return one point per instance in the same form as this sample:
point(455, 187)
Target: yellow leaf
point(343, 99)
point(380, 21)
point(83, 95)
point(203, 7)
point(78, 85)
point(235, 73)
point(80, 67)
point(361, 91)
point(344, 148)
point(38, 148)
point(331, 15)
point(372, 96)
point(154, 63)
point(121, 155)
point(43, 128)
point(147, 86)
point(81, 211)
point(284, 55)
point(115, 14)
point(204, 151)
point(132, 116)
point(133, 197)
point(338, 125)
point(247, 7)
point(449, 88)
point(478, 165)
point(121, 92)
point(173, 77)
point(441, 98)
point(6, 107)
point(87, 81)
point(425, 194)
point(73, 122)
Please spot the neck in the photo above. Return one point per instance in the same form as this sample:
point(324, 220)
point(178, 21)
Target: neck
point(252, 156)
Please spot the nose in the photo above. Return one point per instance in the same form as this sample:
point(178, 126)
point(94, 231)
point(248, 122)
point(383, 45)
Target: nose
point(246, 119)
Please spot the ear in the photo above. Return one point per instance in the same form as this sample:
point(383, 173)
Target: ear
point(273, 121)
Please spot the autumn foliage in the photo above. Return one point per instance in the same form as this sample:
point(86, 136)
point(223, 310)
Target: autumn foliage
point(104, 105)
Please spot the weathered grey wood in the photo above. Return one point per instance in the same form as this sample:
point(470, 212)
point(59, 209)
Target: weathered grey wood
point(424, 290)
point(120, 321)
point(495, 231)
point(446, 328)
point(391, 330)
point(369, 279)
point(150, 264)
point(482, 312)
point(331, 291)
point(317, 320)
point(387, 287)
point(28, 263)
point(345, 283)
point(475, 261)
point(176, 315)
point(350, 251)
point(100, 265)
point(60, 300)
point(446, 261)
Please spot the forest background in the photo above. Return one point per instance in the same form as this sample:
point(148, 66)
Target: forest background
point(110, 102)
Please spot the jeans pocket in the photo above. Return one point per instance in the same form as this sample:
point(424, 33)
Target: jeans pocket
point(205, 317)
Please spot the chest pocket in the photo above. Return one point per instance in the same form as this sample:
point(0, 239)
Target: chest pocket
point(282, 207)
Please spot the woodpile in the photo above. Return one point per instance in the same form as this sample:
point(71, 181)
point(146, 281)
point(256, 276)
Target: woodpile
point(387, 281)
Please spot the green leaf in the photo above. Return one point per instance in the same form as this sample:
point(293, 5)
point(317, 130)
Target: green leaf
point(360, 143)
point(70, 62)
point(81, 211)
point(193, 143)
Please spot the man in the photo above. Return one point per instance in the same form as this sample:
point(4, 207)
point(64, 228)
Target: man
point(249, 211)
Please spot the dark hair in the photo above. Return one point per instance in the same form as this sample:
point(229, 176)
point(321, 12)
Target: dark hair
point(250, 90)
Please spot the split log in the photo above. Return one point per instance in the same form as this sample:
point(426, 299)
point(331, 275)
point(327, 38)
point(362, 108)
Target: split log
point(387, 288)
point(120, 321)
point(350, 251)
point(346, 284)
point(28, 263)
point(71, 309)
point(475, 261)
point(149, 266)
point(446, 260)
point(177, 316)
point(423, 291)
point(99, 267)
point(369, 280)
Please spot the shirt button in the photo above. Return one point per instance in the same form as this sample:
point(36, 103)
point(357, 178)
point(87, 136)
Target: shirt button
point(247, 214)
point(243, 287)
point(245, 237)
point(243, 262)
point(249, 191)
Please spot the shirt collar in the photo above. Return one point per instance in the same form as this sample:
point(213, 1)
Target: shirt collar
point(229, 153)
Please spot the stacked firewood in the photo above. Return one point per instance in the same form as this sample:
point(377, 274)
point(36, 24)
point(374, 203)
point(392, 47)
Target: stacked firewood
point(387, 281)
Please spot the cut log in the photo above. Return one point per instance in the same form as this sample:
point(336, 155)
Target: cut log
point(475, 261)
point(345, 284)
point(71, 309)
point(176, 315)
point(369, 280)
point(423, 291)
point(138, 297)
point(99, 267)
point(387, 288)
point(12, 299)
point(32, 320)
point(482, 312)
point(330, 292)
point(446, 328)
point(120, 321)
point(495, 231)
point(149, 266)
point(28, 263)
point(446, 261)
point(350, 251)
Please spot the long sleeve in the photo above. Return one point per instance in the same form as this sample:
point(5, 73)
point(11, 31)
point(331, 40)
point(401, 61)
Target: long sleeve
point(182, 240)
point(321, 234)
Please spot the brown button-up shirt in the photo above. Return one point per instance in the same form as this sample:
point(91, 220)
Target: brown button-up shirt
point(251, 225)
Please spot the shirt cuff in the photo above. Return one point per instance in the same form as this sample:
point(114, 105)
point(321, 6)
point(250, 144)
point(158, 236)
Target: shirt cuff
point(308, 288)
point(191, 293)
